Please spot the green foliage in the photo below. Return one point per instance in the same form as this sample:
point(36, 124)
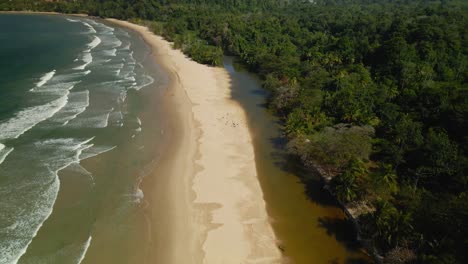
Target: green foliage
point(351, 96)
point(197, 49)
point(391, 224)
point(345, 185)
point(338, 70)
point(156, 27)
point(440, 162)
point(300, 122)
point(385, 180)
point(334, 147)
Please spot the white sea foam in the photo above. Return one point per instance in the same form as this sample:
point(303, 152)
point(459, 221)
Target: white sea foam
point(129, 69)
point(131, 60)
point(114, 88)
point(117, 68)
point(145, 81)
point(100, 121)
point(139, 195)
point(67, 251)
point(127, 47)
point(4, 151)
point(27, 223)
point(77, 168)
point(45, 78)
point(29, 117)
point(27, 214)
point(130, 78)
point(111, 52)
point(91, 28)
point(56, 88)
point(87, 59)
point(80, 101)
point(85, 249)
point(64, 143)
point(122, 97)
point(93, 44)
point(116, 44)
point(91, 120)
point(116, 118)
point(77, 104)
point(74, 76)
point(105, 28)
point(127, 74)
point(95, 151)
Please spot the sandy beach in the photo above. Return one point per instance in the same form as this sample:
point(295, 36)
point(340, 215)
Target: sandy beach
point(217, 211)
point(195, 171)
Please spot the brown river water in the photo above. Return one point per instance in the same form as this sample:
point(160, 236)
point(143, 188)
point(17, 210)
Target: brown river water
point(310, 225)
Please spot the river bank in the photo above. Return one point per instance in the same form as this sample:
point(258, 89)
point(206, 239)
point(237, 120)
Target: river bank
point(194, 212)
point(219, 212)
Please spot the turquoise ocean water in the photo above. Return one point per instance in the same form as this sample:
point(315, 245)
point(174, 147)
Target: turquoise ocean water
point(74, 145)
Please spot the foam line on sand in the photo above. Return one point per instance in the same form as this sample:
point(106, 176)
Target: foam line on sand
point(219, 214)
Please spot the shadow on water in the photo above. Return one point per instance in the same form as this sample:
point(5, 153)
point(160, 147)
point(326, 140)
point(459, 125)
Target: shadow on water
point(313, 183)
point(308, 221)
point(340, 229)
point(357, 261)
point(349, 261)
point(262, 93)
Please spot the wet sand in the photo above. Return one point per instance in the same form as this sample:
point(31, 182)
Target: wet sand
point(204, 203)
point(212, 205)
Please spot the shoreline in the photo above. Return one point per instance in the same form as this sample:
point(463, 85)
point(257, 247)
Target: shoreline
point(193, 233)
point(218, 211)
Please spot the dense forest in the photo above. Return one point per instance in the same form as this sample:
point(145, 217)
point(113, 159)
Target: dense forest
point(373, 94)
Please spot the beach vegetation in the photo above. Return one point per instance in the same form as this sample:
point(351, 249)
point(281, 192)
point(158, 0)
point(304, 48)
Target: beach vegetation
point(373, 95)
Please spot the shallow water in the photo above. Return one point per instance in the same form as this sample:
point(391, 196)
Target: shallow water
point(81, 125)
point(75, 140)
point(311, 228)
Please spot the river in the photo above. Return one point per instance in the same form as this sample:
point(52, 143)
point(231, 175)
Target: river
point(309, 223)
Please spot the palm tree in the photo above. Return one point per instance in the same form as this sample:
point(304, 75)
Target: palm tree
point(344, 185)
point(388, 177)
point(391, 224)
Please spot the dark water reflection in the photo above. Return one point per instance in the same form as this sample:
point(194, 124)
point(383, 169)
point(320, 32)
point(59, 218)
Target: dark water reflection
point(308, 222)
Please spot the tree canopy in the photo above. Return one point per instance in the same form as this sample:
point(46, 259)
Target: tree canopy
point(378, 85)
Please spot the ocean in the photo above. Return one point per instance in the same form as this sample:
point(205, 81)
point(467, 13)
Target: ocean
point(76, 96)
point(85, 128)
